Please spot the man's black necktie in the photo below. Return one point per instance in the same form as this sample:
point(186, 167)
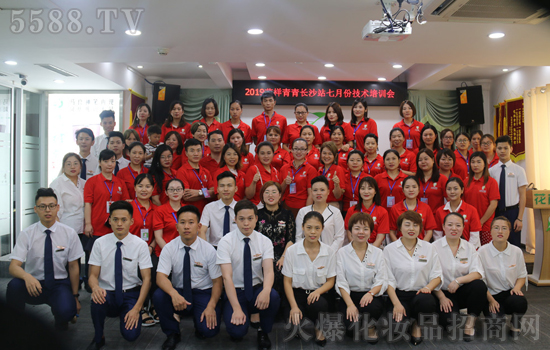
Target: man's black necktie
point(83, 171)
point(247, 262)
point(49, 277)
point(187, 288)
point(502, 189)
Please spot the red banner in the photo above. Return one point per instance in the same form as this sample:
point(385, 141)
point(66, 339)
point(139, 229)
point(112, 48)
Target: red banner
point(515, 127)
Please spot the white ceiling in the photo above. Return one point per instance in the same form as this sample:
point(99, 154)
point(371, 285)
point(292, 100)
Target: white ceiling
point(299, 37)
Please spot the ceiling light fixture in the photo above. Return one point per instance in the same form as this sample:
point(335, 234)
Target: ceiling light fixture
point(133, 32)
point(260, 64)
point(496, 35)
point(140, 67)
point(200, 65)
point(262, 77)
point(505, 70)
point(381, 79)
point(11, 63)
point(329, 65)
point(322, 78)
point(397, 66)
point(255, 31)
point(59, 81)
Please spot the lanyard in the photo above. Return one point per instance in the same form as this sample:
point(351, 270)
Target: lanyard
point(392, 186)
point(170, 176)
point(296, 172)
point(140, 213)
point(352, 186)
point(174, 216)
point(466, 160)
point(426, 187)
point(198, 178)
point(142, 134)
point(369, 167)
point(409, 131)
point(358, 126)
point(327, 170)
point(373, 207)
point(270, 120)
point(415, 209)
point(110, 189)
point(132, 172)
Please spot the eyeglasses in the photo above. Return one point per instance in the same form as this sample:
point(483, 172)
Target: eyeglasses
point(462, 141)
point(486, 143)
point(301, 113)
point(299, 149)
point(43, 207)
point(501, 228)
point(174, 190)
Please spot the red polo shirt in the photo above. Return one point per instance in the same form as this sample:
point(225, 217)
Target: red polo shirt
point(239, 180)
point(343, 158)
point(143, 219)
point(128, 175)
point(302, 178)
point(313, 157)
point(461, 165)
point(494, 162)
point(350, 184)
point(98, 191)
point(333, 170)
point(348, 132)
point(479, 195)
point(246, 162)
point(292, 132)
point(163, 198)
point(165, 219)
point(434, 192)
point(262, 122)
point(375, 167)
point(385, 182)
point(216, 125)
point(379, 216)
point(226, 127)
point(411, 132)
point(210, 164)
point(142, 131)
point(195, 180)
point(361, 130)
point(468, 212)
point(407, 161)
point(428, 221)
point(271, 175)
point(280, 158)
point(178, 159)
point(185, 131)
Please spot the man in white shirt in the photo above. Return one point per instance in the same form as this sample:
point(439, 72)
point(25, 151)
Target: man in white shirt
point(512, 185)
point(219, 216)
point(196, 285)
point(246, 260)
point(108, 124)
point(47, 247)
point(117, 289)
point(85, 140)
point(116, 144)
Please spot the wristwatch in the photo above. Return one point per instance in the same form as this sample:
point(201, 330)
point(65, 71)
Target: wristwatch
point(200, 193)
point(76, 295)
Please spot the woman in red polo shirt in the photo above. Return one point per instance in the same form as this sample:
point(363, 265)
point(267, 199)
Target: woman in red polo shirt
point(296, 179)
point(429, 139)
point(488, 147)
point(462, 155)
point(390, 182)
point(292, 131)
point(130, 136)
point(260, 173)
point(476, 141)
point(173, 139)
point(472, 225)
point(231, 161)
point(333, 172)
point(407, 158)
point(129, 173)
point(313, 155)
point(482, 193)
point(334, 116)
point(410, 127)
point(162, 171)
point(447, 139)
point(236, 137)
point(411, 188)
point(374, 164)
point(351, 179)
point(370, 203)
point(432, 183)
point(361, 123)
point(235, 122)
point(142, 121)
point(199, 130)
point(165, 219)
point(337, 136)
point(281, 156)
point(209, 112)
point(176, 122)
point(445, 161)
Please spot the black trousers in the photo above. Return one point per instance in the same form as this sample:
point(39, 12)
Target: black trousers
point(415, 305)
point(472, 296)
point(311, 311)
point(374, 310)
point(515, 305)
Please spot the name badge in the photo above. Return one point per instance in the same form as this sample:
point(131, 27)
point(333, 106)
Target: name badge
point(423, 260)
point(265, 137)
point(511, 175)
point(390, 201)
point(108, 206)
point(206, 142)
point(205, 192)
point(127, 259)
point(198, 264)
point(145, 234)
point(409, 144)
point(257, 258)
point(60, 249)
point(352, 203)
point(424, 200)
point(370, 265)
point(292, 188)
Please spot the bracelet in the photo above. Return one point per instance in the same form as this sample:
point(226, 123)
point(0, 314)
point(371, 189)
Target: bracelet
point(458, 282)
point(76, 295)
point(519, 220)
point(369, 292)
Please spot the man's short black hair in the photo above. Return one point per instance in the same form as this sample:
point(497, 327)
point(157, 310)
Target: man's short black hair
point(268, 94)
point(107, 114)
point(191, 143)
point(245, 204)
point(115, 134)
point(226, 174)
point(504, 138)
point(154, 129)
point(121, 205)
point(44, 192)
point(215, 132)
point(87, 131)
point(189, 209)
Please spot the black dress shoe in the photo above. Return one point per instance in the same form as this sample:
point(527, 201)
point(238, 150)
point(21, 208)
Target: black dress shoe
point(171, 341)
point(255, 325)
point(321, 343)
point(96, 346)
point(416, 340)
point(199, 335)
point(468, 337)
point(514, 334)
point(263, 341)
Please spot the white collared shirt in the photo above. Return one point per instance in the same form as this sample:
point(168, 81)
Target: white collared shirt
point(213, 216)
point(71, 201)
point(203, 263)
point(99, 145)
point(412, 273)
point(463, 263)
point(92, 164)
point(360, 275)
point(334, 230)
point(29, 249)
point(474, 235)
point(502, 269)
point(231, 249)
point(515, 178)
point(307, 274)
point(135, 252)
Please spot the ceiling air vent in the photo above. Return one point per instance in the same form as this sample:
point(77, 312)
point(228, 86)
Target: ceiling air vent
point(504, 11)
point(57, 70)
point(2, 74)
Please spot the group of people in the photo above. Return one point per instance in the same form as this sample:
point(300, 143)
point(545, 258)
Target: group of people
point(183, 220)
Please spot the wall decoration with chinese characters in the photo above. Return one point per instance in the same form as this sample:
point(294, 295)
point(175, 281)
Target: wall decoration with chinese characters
point(509, 120)
point(289, 92)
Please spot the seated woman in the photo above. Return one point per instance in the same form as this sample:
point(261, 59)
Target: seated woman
point(361, 272)
point(280, 156)
point(237, 137)
point(334, 173)
point(162, 171)
point(374, 163)
point(432, 183)
point(391, 180)
point(350, 182)
point(505, 275)
point(309, 273)
point(407, 157)
point(260, 173)
point(337, 136)
point(414, 272)
point(462, 273)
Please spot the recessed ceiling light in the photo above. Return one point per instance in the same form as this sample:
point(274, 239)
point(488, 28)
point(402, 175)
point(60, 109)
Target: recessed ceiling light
point(133, 32)
point(397, 66)
point(260, 64)
point(329, 65)
point(200, 65)
point(11, 63)
point(505, 70)
point(381, 79)
point(262, 77)
point(59, 81)
point(140, 67)
point(322, 78)
point(255, 31)
point(496, 35)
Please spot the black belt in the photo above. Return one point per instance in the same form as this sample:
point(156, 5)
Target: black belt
point(135, 289)
point(509, 208)
point(254, 286)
